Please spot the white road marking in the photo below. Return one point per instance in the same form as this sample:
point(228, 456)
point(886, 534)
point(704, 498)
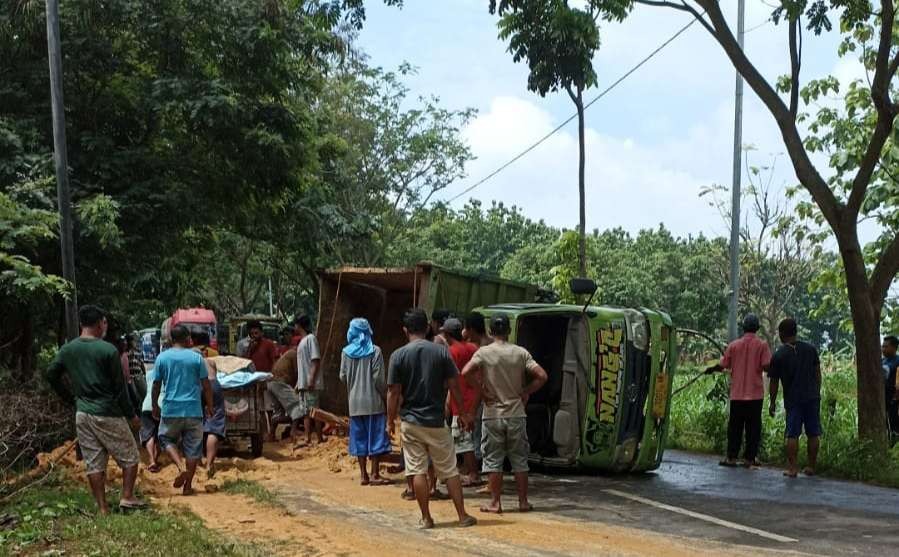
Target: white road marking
point(700, 516)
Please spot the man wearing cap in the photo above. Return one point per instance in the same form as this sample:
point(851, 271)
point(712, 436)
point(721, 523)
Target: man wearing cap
point(746, 358)
point(506, 375)
point(464, 440)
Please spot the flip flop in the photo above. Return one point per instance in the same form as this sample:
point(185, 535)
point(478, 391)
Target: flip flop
point(425, 524)
point(380, 481)
point(728, 463)
point(180, 479)
point(133, 505)
point(809, 471)
point(188, 492)
point(483, 489)
point(364, 481)
point(154, 468)
point(527, 509)
point(467, 522)
point(486, 509)
point(407, 495)
point(791, 475)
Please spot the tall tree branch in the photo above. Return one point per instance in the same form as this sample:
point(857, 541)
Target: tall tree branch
point(808, 175)
point(886, 113)
point(795, 66)
point(680, 6)
point(884, 273)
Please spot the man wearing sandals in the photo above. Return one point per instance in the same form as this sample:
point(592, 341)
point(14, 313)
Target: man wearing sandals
point(185, 376)
point(747, 358)
point(420, 373)
point(464, 440)
point(796, 364)
point(103, 407)
point(362, 369)
point(509, 375)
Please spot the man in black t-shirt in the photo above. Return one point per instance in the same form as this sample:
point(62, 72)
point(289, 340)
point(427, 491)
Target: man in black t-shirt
point(797, 366)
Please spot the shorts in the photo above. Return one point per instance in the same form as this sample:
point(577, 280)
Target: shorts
point(368, 435)
point(149, 428)
point(463, 440)
point(308, 401)
point(804, 414)
point(102, 436)
point(284, 395)
point(478, 431)
point(188, 430)
point(505, 438)
point(421, 442)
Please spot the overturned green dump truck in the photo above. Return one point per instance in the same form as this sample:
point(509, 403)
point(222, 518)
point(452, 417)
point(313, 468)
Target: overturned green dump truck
point(606, 403)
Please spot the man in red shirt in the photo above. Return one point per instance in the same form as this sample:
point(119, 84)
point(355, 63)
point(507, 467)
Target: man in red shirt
point(746, 358)
point(261, 350)
point(464, 441)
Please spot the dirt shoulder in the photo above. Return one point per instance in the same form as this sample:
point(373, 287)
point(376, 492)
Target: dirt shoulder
point(319, 508)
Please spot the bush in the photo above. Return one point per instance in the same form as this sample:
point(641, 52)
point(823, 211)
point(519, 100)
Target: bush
point(699, 423)
point(32, 420)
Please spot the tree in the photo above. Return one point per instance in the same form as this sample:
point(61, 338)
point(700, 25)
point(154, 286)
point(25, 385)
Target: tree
point(558, 42)
point(859, 137)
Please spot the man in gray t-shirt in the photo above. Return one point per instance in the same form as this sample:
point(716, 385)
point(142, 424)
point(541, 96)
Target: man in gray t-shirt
point(310, 380)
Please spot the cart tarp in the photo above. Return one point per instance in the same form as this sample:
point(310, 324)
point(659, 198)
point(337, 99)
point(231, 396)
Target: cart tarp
point(240, 379)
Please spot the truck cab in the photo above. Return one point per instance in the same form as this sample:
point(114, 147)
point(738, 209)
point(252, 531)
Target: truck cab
point(605, 405)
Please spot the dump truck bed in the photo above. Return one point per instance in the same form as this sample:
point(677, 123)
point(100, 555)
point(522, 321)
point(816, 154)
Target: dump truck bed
point(383, 294)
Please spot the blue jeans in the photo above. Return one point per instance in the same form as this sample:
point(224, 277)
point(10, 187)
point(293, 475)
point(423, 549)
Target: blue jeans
point(188, 430)
point(807, 414)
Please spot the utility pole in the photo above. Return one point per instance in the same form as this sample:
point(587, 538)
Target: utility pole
point(64, 197)
point(271, 305)
point(738, 173)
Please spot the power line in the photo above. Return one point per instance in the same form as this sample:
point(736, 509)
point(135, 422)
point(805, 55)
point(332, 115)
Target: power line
point(573, 116)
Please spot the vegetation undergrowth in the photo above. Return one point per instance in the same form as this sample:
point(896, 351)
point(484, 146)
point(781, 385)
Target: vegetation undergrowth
point(699, 417)
point(58, 518)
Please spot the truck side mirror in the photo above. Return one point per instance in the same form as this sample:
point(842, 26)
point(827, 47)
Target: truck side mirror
point(581, 286)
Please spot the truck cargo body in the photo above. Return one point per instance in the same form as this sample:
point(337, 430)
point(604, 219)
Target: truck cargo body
point(382, 295)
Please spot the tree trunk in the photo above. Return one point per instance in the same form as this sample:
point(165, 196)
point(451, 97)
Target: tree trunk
point(866, 324)
point(582, 239)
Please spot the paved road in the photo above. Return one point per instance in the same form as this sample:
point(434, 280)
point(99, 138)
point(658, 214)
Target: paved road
point(824, 517)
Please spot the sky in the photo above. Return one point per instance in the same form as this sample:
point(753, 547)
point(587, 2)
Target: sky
point(653, 143)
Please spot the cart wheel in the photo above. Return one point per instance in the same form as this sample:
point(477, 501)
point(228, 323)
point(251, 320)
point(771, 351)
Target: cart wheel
point(256, 445)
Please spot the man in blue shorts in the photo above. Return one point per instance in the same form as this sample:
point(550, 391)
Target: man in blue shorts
point(184, 374)
point(797, 366)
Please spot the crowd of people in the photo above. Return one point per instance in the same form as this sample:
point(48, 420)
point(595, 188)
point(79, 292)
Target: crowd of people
point(451, 394)
point(452, 399)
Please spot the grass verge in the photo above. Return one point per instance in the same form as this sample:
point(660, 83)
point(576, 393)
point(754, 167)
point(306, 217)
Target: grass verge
point(58, 518)
point(254, 490)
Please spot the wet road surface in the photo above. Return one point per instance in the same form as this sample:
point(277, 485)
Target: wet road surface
point(690, 495)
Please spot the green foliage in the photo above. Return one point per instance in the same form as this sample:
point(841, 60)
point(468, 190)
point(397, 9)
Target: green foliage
point(557, 41)
point(58, 518)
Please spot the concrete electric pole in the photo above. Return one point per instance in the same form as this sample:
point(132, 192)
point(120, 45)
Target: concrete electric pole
point(64, 198)
point(735, 200)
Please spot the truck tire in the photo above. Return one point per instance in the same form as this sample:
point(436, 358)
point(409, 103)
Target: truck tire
point(256, 445)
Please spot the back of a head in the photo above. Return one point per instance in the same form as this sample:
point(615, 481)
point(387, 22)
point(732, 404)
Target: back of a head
point(452, 328)
point(440, 316)
point(475, 322)
point(180, 334)
point(254, 325)
point(304, 322)
point(415, 320)
point(499, 325)
point(751, 323)
point(90, 315)
point(199, 338)
point(788, 328)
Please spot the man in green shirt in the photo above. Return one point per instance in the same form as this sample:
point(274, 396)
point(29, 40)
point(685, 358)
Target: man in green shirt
point(103, 408)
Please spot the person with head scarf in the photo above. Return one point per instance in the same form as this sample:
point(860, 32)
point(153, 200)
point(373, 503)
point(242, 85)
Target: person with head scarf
point(362, 369)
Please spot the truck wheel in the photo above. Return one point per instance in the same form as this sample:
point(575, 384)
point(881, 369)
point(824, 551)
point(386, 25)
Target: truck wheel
point(256, 445)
